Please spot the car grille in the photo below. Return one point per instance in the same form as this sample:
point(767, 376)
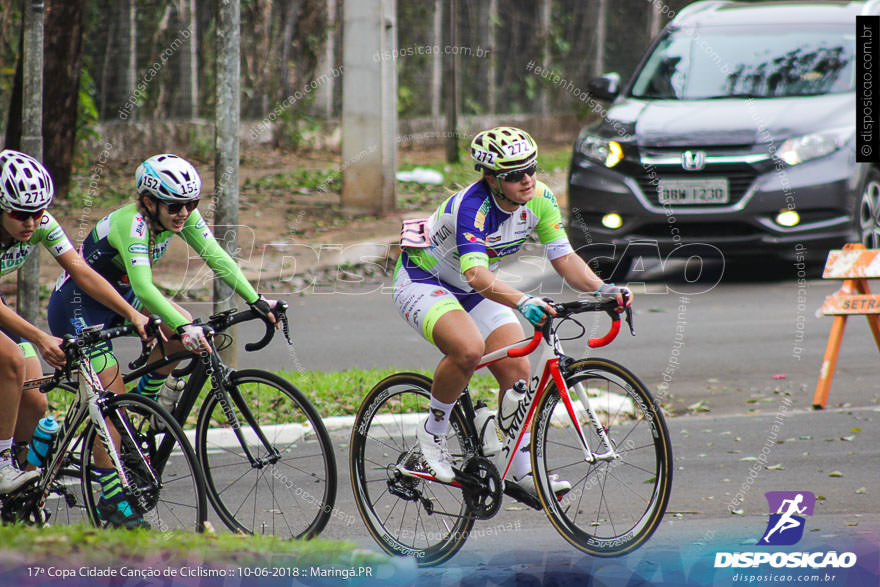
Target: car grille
point(696, 231)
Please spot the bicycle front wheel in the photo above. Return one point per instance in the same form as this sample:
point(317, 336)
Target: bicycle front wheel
point(615, 503)
point(407, 516)
point(167, 488)
point(268, 460)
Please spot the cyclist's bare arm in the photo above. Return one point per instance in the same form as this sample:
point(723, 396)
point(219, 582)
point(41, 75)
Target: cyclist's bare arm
point(488, 285)
point(575, 271)
point(48, 346)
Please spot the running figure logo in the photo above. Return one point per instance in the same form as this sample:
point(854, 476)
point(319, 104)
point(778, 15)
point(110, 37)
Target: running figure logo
point(786, 525)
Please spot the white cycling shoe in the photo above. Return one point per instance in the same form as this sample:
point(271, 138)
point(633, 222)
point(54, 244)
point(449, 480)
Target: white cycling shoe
point(11, 479)
point(527, 484)
point(436, 455)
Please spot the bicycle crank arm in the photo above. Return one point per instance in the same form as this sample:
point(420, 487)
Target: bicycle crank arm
point(461, 479)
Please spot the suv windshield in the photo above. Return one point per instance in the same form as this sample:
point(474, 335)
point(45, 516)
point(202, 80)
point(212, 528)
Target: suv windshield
point(761, 61)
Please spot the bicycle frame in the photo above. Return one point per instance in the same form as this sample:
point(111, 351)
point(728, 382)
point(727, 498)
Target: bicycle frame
point(549, 357)
point(86, 405)
point(548, 365)
point(211, 367)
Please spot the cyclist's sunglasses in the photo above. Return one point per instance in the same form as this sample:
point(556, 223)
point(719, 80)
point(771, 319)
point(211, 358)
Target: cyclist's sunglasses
point(515, 176)
point(175, 207)
point(24, 216)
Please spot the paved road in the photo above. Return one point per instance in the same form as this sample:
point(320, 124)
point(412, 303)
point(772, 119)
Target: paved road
point(739, 361)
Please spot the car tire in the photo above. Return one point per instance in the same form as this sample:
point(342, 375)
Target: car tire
point(867, 216)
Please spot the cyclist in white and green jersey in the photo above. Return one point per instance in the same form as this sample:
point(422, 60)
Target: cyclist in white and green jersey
point(123, 247)
point(26, 190)
point(446, 288)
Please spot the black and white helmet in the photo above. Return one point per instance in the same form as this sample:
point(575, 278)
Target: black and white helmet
point(25, 184)
point(168, 177)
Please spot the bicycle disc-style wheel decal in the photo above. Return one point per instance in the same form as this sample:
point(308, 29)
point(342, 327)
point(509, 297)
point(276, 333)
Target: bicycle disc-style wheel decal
point(288, 494)
point(614, 505)
point(178, 501)
point(395, 507)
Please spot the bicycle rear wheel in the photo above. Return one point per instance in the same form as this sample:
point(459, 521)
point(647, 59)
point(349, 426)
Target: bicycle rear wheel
point(168, 488)
point(406, 516)
point(614, 505)
point(284, 484)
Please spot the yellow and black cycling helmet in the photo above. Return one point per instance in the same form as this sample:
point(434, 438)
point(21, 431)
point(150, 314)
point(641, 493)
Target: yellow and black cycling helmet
point(502, 149)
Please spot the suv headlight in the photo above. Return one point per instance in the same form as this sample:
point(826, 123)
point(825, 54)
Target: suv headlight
point(803, 148)
point(606, 151)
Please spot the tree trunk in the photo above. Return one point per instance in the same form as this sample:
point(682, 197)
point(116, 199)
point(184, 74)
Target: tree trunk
point(13, 119)
point(601, 36)
point(188, 98)
point(290, 14)
point(63, 61)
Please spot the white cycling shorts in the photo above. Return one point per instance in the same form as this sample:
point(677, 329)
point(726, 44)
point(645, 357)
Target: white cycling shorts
point(422, 304)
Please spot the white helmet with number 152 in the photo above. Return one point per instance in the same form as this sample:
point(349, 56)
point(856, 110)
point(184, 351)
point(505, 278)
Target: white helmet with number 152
point(168, 178)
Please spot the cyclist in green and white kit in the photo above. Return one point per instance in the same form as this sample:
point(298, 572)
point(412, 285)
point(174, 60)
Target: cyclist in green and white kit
point(123, 247)
point(26, 190)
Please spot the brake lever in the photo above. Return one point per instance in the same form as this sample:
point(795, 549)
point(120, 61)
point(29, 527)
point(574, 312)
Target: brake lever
point(629, 320)
point(153, 330)
point(285, 328)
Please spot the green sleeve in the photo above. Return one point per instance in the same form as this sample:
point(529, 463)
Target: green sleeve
point(197, 235)
point(50, 233)
point(129, 235)
point(544, 205)
point(471, 260)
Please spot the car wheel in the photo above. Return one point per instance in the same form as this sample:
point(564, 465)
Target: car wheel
point(869, 211)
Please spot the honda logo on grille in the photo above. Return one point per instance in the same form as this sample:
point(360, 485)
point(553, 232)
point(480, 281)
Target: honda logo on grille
point(693, 160)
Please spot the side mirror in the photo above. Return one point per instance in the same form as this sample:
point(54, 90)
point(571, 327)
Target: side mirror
point(605, 87)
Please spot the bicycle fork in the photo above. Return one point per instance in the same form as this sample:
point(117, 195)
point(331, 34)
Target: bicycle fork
point(224, 390)
point(580, 390)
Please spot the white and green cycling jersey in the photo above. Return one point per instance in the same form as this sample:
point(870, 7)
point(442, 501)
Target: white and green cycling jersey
point(48, 233)
point(469, 229)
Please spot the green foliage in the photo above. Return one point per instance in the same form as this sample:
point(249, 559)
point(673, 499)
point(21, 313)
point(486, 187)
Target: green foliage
point(300, 180)
point(340, 393)
point(294, 126)
point(87, 111)
point(201, 145)
point(456, 176)
point(405, 99)
point(109, 196)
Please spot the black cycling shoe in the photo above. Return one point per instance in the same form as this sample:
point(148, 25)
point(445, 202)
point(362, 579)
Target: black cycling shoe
point(119, 514)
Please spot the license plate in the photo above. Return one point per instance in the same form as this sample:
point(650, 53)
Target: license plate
point(693, 191)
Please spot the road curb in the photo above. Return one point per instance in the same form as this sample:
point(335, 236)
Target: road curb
point(225, 437)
